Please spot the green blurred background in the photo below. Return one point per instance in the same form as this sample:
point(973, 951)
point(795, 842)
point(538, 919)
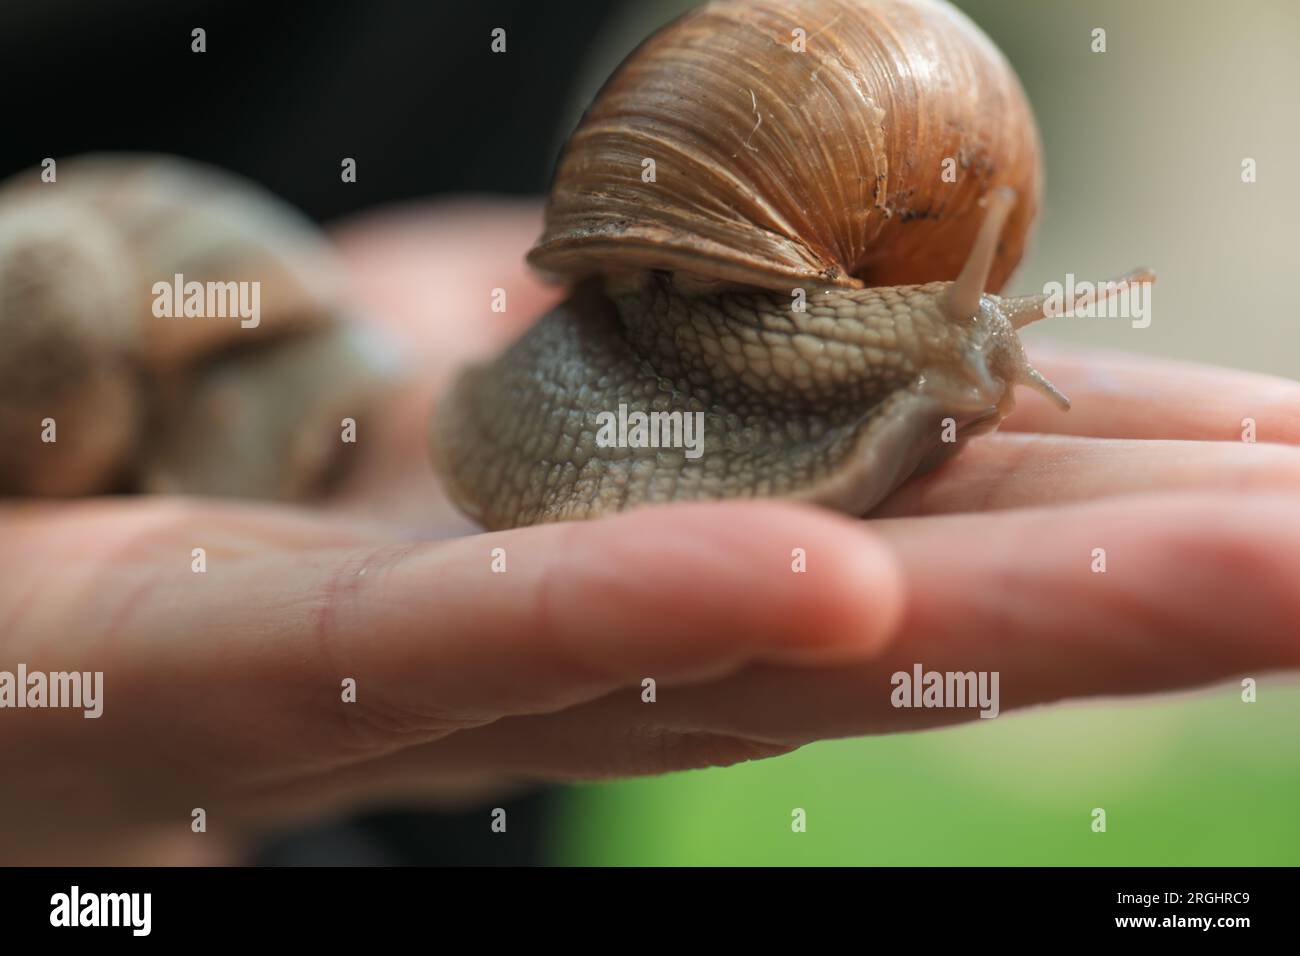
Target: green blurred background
point(1143, 147)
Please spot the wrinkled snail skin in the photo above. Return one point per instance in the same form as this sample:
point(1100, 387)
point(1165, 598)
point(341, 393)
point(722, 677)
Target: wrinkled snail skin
point(836, 404)
point(778, 174)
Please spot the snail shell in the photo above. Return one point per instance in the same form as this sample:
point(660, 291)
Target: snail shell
point(132, 392)
point(170, 216)
point(69, 397)
point(266, 423)
point(776, 173)
point(774, 167)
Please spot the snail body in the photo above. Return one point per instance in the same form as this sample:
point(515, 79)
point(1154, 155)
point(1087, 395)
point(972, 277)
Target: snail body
point(836, 404)
point(804, 270)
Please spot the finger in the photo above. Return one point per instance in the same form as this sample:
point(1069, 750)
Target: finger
point(613, 738)
point(137, 528)
point(435, 639)
point(540, 618)
point(1198, 589)
point(1002, 471)
point(72, 569)
point(1117, 395)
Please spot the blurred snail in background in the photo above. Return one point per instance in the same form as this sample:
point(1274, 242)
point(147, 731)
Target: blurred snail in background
point(101, 389)
point(782, 217)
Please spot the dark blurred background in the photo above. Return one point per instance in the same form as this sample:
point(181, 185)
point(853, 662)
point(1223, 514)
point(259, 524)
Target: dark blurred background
point(287, 88)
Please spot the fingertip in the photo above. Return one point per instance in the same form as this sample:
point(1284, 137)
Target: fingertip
point(844, 587)
point(763, 580)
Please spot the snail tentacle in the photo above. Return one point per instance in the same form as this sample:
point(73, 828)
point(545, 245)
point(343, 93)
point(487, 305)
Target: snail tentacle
point(963, 297)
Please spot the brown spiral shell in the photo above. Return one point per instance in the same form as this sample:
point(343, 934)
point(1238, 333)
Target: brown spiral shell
point(775, 167)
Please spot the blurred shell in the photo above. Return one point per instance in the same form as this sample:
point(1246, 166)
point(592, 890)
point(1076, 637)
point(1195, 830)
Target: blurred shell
point(775, 167)
point(186, 404)
point(63, 317)
point(267, 424)
point(181, 217)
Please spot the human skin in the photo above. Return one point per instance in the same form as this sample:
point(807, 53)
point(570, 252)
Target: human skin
point(222, 690)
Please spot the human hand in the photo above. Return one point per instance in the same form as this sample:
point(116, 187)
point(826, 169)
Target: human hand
point(223, 691)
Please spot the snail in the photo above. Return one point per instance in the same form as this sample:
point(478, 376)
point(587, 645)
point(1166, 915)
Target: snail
point(142, 392)
point(780, 218)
